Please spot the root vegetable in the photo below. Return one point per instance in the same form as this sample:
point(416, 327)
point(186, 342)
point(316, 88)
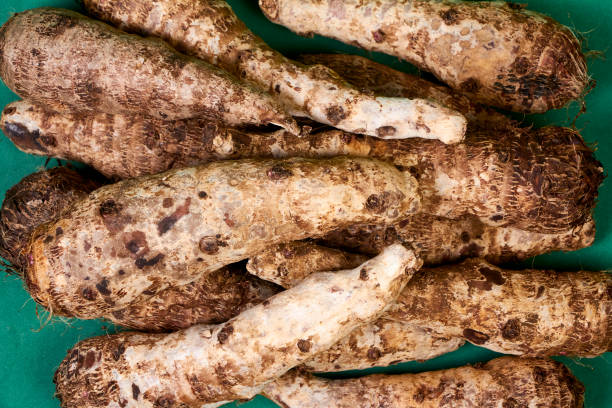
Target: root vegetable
point(440, 240)
point(503, 382)
point(64, 60)
point(140, 236)
point(210, 30)
point(494, 52)
point(543, 180)
point(212, 364)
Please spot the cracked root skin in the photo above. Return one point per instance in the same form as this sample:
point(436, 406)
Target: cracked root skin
point(66, 61)
point(494, 52)
point(544, 180)
point(140, 236)
point(210, 30)
point(503, 382)
point(441, 240)
point(234, 360)
point(529, 312)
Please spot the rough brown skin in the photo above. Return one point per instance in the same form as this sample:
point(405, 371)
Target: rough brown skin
point(529, 312)
point(371, 76)
point(234, 360)
point(66, 61)
point(168, 230)
point(494, 52)
point(542, 180)
point(440, 240)
point(210, 30)
point(38, 198)
point(504, 382)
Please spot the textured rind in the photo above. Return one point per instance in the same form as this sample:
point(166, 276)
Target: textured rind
point(67, 61)
point(140, 236)
point(529, 312)
point(36, 199)
point(210, 30)
point(234, 360)
point(504, 382)
point(494, 52)
point(543, 180)
point(441, 240)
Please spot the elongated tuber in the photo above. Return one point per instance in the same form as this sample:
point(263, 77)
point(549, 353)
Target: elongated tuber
point(64, 60)
point(441, 240)
point(494, 52)
point(141, 236)
point(210, 30)
point(543, 180)
point(212, 364)
point(503, 382)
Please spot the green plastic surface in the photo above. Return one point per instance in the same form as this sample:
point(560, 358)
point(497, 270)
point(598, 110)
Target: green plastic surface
point(31, 348)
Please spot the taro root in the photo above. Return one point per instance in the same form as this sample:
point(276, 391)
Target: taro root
point(211, 31)
point(503, 382)
point(140, 236)
point(494, 52)
point(234, 360)
point(543, 180)
point(66, 61)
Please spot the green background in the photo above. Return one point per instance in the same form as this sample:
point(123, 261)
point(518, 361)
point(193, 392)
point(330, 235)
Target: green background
point(31, 348)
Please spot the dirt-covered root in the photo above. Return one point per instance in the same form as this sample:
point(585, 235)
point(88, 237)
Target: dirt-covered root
point(287, 264)
point(212, 299)
point(234, 360)
point(382, 343)
point(36, 199)
point(141, 236)
point(382, 80)
point(503, 382)
point(66, 61)
point(440, 240)
point(494, 52)
point(211, 31)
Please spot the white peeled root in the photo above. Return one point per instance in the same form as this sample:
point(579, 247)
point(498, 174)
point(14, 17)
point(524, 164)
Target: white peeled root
point(502, 383)
point(234, 360)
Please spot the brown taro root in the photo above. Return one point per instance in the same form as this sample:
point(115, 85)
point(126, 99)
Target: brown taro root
point(503, 382)
point(234, 360)
point(66, 61)
point(543, 180)
point(440, 240)
point(210, 30)
point(494, 52)
point(529, 312)
point(36, 199)
point(140, 236)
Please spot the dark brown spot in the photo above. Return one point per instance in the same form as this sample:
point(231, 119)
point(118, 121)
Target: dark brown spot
point(497, 217)
point(89, 294)
point(168, 202)
point(278, 172)
point(135, 391)
point(86, 246)
point(492, 275)
point(111, 215)
point(59, 231)
point(335, 114)
point(121, 272)
point(10, 110)
point(373, 354)
point(480, 285)
point(470, 85)
point(277, 88)
point(379, 35)
point(449, 16)
point(511, 330)
point(465, 236)
point(539, 375)
point(90, 359)
point(102, 287)
point(210, 245)
point(202, 194)
point(225, 332)
point(475, 337)
point(385, 131)
point(363, 274)
point(48, 239)
point(164, 402)
point(540, 292)
point(142, 262)
point(168, 222)
point(118, 352)
point(521, 65)
point(24, 138)
point(419, 396)
point(373, 202)
point(304, 345)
